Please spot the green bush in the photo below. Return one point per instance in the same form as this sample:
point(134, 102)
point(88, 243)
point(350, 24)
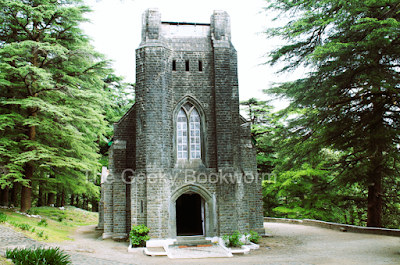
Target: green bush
point(42, 256)
point(233, 240)
point(254, 237)
point(138, 235)
point(43, 222)
point(39, 234)
point(60, 219)
point(3, 217)
point(24, 226)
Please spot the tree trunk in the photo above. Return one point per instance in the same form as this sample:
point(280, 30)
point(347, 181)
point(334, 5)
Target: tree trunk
point(374, 216)
point(62, 199)
point(4, 196)
point(377, 145)
point(51, 199)
point(15, 194)
point(26, 192)
point(72, 199)
point(42, 200)
point(84, 202)
point(58, 202)
point(95, 204)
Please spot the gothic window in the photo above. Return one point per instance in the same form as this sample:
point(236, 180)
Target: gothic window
point(188, 133)
point(182, 135)
point(194, 135)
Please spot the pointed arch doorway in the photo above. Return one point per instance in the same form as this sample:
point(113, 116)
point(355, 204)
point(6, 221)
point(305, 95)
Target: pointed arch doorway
point(201, 220)
point(190, 215)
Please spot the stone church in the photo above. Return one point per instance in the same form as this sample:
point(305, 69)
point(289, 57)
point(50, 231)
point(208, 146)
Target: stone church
point(182, 161)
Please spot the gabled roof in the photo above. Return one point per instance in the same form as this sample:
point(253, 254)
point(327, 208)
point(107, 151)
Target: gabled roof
point(126, 114)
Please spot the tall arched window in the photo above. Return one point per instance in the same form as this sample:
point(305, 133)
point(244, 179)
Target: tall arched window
point(188, 133)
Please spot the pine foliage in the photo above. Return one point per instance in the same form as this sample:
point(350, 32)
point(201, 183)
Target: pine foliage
point(52, 92)
point(350, 99)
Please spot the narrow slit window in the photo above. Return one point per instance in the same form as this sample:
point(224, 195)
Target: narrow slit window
point(200, 66)
point(187, 65)
point(173, 65)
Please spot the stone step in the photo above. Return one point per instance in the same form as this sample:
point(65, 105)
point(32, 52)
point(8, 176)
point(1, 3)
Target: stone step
point(191, 241)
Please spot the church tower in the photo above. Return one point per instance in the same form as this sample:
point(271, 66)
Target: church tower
point(182, 161)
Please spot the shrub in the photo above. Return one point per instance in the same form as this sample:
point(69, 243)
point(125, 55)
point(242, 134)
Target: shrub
point(254, 237)
point(138, 235)
point(60, 218)
point(233, 240)
point(25, 227)
point(43, 222)
point(28, 256)
point(39, 234)
point(3, 217)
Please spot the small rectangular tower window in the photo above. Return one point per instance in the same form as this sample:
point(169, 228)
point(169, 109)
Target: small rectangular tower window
point(200, 66)
point(187, 65)
point(173, 65)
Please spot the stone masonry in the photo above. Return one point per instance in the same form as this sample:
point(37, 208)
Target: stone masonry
point(184, 135)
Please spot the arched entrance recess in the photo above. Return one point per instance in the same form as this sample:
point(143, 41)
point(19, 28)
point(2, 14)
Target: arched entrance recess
point(190, 215)
point(209, 208)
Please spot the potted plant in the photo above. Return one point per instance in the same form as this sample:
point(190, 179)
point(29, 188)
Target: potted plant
point(139, 235)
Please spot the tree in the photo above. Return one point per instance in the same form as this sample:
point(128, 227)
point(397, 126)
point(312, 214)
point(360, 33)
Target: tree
point(263, 130)
point(349, 100)
point(258, 111)
point(123, 97)
point(51, 90)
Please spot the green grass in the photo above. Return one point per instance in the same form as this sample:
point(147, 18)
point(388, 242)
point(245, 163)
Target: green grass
point(60, 223)
point(4, 261)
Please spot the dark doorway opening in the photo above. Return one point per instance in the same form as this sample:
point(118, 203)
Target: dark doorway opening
point(189, 219)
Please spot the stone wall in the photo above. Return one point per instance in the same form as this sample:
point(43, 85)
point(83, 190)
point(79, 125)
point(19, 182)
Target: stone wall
point(176, 64)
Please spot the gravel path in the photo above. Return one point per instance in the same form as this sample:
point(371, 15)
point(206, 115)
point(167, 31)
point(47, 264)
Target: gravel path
point(11, 239)
point(290, 245)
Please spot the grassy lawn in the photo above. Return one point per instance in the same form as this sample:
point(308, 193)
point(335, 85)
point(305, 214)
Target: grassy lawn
point(4, 261)
point(60, 223)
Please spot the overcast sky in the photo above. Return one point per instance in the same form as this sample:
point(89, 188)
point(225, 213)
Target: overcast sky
point(116, 31)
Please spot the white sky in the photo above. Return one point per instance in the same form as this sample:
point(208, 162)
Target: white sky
point(116, 32)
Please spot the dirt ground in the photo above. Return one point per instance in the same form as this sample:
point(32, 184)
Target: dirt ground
point(290, 244)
